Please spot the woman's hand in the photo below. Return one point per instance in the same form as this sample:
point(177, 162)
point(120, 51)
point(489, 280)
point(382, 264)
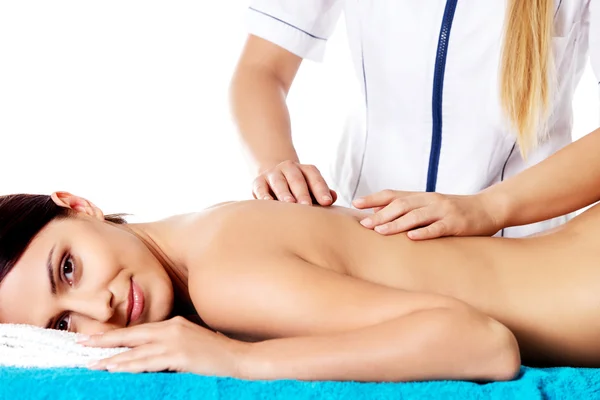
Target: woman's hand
point(172, 345)
point(293, 182)
point(430, 215)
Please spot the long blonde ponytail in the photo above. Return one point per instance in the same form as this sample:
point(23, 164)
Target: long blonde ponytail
point(527, 68)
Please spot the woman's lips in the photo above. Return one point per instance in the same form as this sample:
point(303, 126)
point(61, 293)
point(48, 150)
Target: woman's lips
point(136, 303)
point(129, 302)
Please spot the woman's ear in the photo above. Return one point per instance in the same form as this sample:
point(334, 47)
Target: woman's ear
point(77, 204)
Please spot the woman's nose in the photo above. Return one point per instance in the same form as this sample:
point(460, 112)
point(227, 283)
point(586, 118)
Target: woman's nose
point(97, 305)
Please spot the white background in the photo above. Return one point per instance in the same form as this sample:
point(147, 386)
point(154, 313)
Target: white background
point(126, 102)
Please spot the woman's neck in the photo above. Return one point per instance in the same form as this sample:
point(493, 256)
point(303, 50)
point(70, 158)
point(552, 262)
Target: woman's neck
point(155, 237)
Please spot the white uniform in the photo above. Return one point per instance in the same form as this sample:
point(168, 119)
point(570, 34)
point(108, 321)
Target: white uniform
point(429, 71)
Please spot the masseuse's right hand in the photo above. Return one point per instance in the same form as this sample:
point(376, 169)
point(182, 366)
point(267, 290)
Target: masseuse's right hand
point(293, 182)
point(430, 215)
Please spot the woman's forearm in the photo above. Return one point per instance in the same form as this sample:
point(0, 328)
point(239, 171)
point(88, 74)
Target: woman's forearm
point(567, 181)
point(434, 344)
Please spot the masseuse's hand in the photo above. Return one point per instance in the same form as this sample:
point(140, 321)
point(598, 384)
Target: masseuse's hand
point(428, 215)
point(172, 345)
point(293, 182)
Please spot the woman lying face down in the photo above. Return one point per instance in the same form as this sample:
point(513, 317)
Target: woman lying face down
point(276, 291)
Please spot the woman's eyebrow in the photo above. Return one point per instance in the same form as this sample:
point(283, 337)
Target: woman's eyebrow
point(50, 268)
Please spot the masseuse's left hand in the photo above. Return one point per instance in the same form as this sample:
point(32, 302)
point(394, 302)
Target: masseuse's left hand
point(429, 215)
point(172, 345)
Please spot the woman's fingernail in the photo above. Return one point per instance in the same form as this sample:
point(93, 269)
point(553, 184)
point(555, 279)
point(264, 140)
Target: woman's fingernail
point(327, 198)
point(111, 366)
point(366, 222)
point(93, 364)
point(83, 338)
point(266, 198)
point(288, 199)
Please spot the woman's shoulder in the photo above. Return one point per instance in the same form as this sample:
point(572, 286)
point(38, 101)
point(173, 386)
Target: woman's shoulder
point(236, 223)
point(255, 213)
point(228, 207)
point(224, 203)
point(267, 212)
point(209, 215)
point(226, 220)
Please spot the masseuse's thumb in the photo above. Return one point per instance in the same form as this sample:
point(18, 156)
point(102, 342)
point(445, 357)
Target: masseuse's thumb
point(333, 194)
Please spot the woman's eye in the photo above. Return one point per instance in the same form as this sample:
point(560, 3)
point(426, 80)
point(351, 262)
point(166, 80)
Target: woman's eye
point(63, 324)
point(68, 269)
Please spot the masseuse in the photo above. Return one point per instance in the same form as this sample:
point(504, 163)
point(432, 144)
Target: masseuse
point(458, 96)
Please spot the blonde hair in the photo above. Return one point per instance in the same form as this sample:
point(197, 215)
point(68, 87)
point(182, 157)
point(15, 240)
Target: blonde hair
point(527, 68)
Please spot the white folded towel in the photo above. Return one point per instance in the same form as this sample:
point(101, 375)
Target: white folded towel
point(31, 346)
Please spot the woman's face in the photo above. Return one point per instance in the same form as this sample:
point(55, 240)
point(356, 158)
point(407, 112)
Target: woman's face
point(85, 275)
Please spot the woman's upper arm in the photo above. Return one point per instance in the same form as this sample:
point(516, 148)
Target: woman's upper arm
point(283, 296)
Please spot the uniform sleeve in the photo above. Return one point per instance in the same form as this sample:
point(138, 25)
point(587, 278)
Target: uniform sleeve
point(301, 27)
point(595, 38)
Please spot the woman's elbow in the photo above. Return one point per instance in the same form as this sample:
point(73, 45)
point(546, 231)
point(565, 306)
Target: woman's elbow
point(490, 351)
point(505, 360)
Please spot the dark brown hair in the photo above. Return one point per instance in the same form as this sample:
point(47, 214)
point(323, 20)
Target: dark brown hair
point(22, 217)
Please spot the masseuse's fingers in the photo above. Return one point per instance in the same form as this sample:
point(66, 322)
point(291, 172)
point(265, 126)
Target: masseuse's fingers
point(435, 230)
point(296, 182)
point(333, 194)
point(318, 187)
point(413, 219)
point(379, 199)
point(396, 208)
point(260, 189)
point(280, 187)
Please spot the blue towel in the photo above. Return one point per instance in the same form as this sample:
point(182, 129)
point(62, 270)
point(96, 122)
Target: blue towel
point(72, 384)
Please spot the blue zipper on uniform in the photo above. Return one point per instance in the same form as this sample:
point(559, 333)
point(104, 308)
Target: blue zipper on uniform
point(438, 90)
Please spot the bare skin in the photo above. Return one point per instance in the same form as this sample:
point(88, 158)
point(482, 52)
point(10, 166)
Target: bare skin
point(546, 289)
point(309, 293)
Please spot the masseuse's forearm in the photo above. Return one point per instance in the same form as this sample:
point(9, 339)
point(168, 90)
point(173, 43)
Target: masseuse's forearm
point(565, 182)
point(426, 345)
point(258, 102)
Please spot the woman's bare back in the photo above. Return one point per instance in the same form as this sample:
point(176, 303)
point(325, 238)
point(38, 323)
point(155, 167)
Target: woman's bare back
point(546, 289)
